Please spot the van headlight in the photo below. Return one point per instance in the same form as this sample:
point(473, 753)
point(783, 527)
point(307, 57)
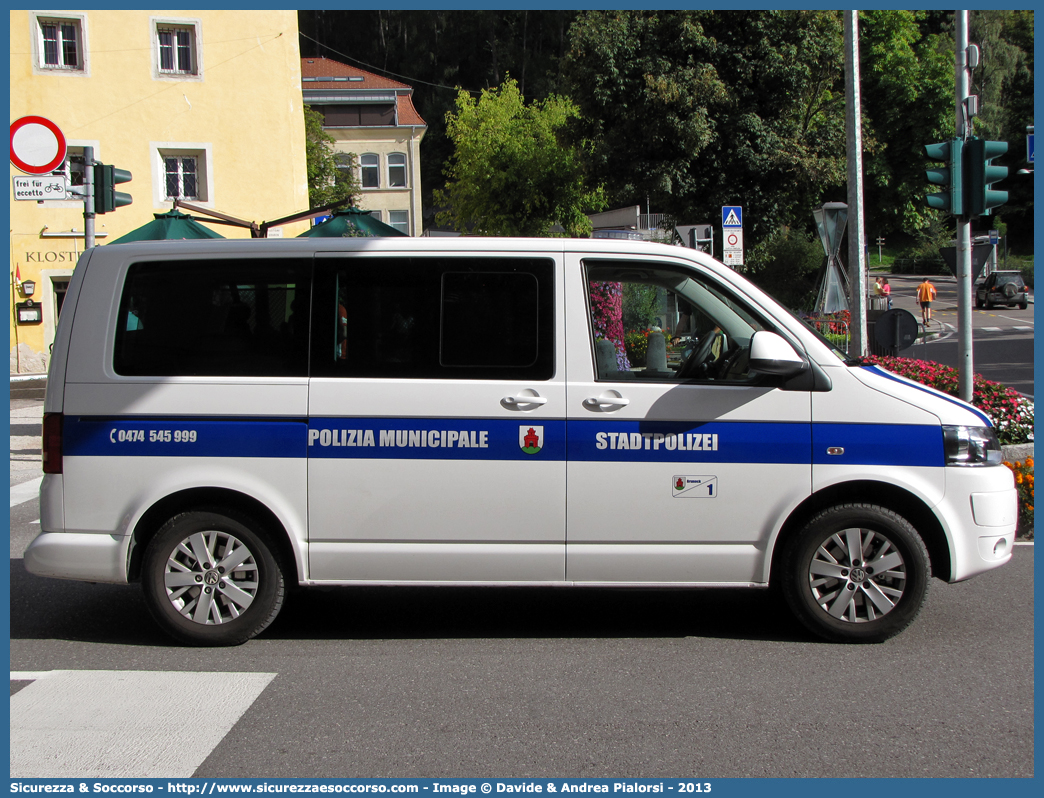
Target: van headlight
point(971, 446)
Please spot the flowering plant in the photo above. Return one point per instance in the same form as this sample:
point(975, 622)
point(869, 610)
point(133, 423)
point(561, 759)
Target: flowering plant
point(837, 323)
point(607, 318)
point(1010, 412)
point(637, 343)
point(1023, 471)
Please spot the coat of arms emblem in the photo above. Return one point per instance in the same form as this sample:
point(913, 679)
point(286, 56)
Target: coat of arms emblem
point(530, 438)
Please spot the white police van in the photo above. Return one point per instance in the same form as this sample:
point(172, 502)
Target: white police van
point(225, 418)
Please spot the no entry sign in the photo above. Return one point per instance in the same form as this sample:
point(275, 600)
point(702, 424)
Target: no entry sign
point(37, 145)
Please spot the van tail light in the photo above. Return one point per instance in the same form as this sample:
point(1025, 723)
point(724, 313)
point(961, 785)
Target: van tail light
point(52, 443)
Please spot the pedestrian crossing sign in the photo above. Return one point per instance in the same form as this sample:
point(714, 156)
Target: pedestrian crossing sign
point(731, 216)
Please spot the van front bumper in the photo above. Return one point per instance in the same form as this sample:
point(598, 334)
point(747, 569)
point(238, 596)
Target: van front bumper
point(78, 555)
point(981, 509)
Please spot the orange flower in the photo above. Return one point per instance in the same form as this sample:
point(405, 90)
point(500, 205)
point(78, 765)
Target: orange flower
point(1029, 462)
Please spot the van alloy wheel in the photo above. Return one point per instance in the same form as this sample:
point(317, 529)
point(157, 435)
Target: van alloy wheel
point(856, 573)
point(211, 578)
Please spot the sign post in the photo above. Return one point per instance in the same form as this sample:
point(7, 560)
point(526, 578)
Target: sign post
point(732, 235)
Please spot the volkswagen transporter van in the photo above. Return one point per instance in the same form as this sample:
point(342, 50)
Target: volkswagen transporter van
point(227, 418)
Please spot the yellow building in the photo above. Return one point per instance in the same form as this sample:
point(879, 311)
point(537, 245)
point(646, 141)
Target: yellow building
point(374, 118)
point(204, 106)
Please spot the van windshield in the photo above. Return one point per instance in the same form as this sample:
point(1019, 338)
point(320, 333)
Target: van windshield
point(837, 351)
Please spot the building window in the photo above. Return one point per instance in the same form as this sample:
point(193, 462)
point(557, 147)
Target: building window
point(72, 167)
point(370, 167)
point(357, 115)
point(60, 44)
point(400, 220)
point(375, 214)
point(182, 176)
point(397, 170)
point(176, 50)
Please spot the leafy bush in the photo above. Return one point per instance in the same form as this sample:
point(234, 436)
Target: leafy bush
point(1023, 471)
point(637, 343)
point(786, 266)
point(637, 346)
point(1010, 411)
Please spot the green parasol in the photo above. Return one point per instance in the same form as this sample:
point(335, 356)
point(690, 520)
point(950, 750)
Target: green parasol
point(168, 227)
point(351, 223)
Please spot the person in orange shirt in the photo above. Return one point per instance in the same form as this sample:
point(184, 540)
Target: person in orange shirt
point(926, 293)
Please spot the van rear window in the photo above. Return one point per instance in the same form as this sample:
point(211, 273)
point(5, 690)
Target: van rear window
point(231, 318)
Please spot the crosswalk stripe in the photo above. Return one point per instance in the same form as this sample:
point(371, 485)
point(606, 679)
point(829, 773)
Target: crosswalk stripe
point(26, 491)
point(124, 724)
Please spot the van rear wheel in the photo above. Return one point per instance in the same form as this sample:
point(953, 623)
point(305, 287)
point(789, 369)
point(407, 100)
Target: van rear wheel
point(856, 573)
point(210, 579)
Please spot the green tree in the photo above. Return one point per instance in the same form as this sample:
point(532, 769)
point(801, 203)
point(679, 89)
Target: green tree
point(692, 110)
point(1004, 83)
point(436, 51)
point(331, 174)
point(787, 265)
point(908, 101)
point(511, 173)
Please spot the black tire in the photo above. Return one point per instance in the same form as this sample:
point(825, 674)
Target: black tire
point(204, 604)
point(818, 569)
point(1024, 305)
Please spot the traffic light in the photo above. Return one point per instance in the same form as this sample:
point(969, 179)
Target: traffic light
point(106, 197)
point(981, 199)
point(951, 199)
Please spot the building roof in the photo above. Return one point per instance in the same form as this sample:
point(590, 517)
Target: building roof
point(342, 76)
point(320, 74)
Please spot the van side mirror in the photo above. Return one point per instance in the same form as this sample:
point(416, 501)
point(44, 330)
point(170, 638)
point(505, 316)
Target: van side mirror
point(770, 353)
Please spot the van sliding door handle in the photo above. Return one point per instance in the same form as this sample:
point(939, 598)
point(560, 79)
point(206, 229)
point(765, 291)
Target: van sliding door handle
point(606, 401)
point(523, 399)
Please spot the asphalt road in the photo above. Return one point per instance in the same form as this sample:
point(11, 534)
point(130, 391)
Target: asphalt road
point(538, 682)
point(428, 682)
point(1002, 338)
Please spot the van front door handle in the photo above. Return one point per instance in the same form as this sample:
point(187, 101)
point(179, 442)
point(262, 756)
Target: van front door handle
point(608, 400)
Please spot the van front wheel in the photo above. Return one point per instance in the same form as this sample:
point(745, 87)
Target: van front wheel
point(856, 573)
point(210, 579)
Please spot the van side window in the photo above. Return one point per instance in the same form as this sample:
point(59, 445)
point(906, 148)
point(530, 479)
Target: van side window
point(434, 318)
point(659, 324)
point(234, 318)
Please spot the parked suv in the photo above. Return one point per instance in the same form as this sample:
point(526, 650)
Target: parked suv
point(1002, 288)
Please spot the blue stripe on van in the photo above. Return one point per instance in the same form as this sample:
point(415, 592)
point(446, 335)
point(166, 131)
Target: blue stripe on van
point(878, 444)
point(598, 440)
point(681, 442)
point(183, 437)
point(437, 439)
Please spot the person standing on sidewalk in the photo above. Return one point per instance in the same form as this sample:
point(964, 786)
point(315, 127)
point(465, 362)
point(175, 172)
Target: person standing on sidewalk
point(926, 294)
